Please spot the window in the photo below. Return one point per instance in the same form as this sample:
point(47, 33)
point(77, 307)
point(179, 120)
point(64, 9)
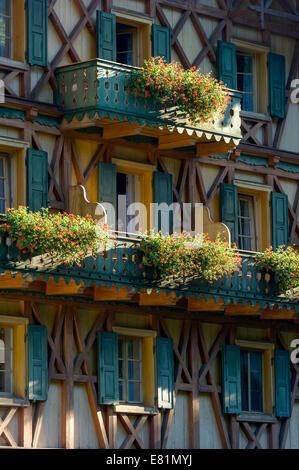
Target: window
point(6, 361)
point(128, 186)
point(130, 369)
point(257, 384)
point(252, 73)
point(252, 381)
point(246, 80)
point(133, 38)
point(5, 182)
point(134, 195)
point(12, 360)
point(6, 28)
point(126, 52)
point(253, 215)
point(247, 223)
point(135, 370)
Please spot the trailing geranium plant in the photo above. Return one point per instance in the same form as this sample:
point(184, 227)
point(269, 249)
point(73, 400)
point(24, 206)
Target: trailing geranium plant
point(198, 97)
point(65, 237)
point(284, 262)
point(179, 257)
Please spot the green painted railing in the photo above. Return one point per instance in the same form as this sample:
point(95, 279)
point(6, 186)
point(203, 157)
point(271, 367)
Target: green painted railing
point(99, 86)
point(121, 263)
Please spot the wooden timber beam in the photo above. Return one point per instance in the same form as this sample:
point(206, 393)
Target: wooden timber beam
point(120, 129)
point(213, 148)
point(175, 140)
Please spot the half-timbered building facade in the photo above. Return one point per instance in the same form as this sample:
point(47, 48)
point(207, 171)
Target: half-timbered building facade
point(104, 355)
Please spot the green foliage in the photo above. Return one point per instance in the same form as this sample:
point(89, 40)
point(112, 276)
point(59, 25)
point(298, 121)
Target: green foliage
point(65, 237)
point(180, 257)
point(285, 264)
point(198, 97)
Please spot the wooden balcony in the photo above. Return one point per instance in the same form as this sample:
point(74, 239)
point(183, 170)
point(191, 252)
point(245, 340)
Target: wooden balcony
point(92, 94)
point(120, 265)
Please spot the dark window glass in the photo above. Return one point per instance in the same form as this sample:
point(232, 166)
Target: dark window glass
point(124, 44)
point(5, 28)
point(252, 381)
point(245, 80)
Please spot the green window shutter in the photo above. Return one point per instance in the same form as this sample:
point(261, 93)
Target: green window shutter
point(106, 36)
point(38, 362)
point(229, 208)
point(226, 63)
point(231, 379)
point(163, 195)
point(107, 189)
point(280, 222)
point(161, 42)
point(37, 30)
point(165, 372)
point(107, 368)
point(282, 383)
point(37, 179)
point(277, 85)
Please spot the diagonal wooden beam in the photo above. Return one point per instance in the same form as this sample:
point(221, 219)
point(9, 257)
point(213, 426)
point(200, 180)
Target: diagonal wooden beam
point(222, 427)
point(133, 431)
point(3, 427)
point(90, 387)
point(176, 352)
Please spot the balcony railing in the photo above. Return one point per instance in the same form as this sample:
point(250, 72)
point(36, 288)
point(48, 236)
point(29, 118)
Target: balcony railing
point(99, 86)
point(121, 264)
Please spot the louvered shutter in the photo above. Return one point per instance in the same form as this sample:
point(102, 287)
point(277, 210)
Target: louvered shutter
point(37, 362)
point(280, 222)
point(282, 383)
point(276, 63)
point(37, 179)
point(165, 372)
point(107, 189)
point(163, 197)
point(226, 63)
point(106, 36)
point(229, 208)
point(107, 368)
point(231, 379)
point(161, 38)
point(37, 30)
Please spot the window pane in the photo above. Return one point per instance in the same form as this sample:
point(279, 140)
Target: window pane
point(134, 349)
point(244, 63)
point(134, 370)
point(6, 360)
point(134, 392)
point(247, 102)
point(121, 373)
point(256, 381)
point(124, 42)
point(121, 388)
point(121, 345)
point(244, 380)
point(244, 208)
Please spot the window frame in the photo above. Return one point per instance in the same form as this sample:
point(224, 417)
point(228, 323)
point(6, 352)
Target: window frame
point(268, 385)
point(17, 52)
point(145, 172)
point(17, 154)
point(261, 194)
point(260, 54)
point(149, 379)
point(18, 397)
point(143, 34)
point(253, 222)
